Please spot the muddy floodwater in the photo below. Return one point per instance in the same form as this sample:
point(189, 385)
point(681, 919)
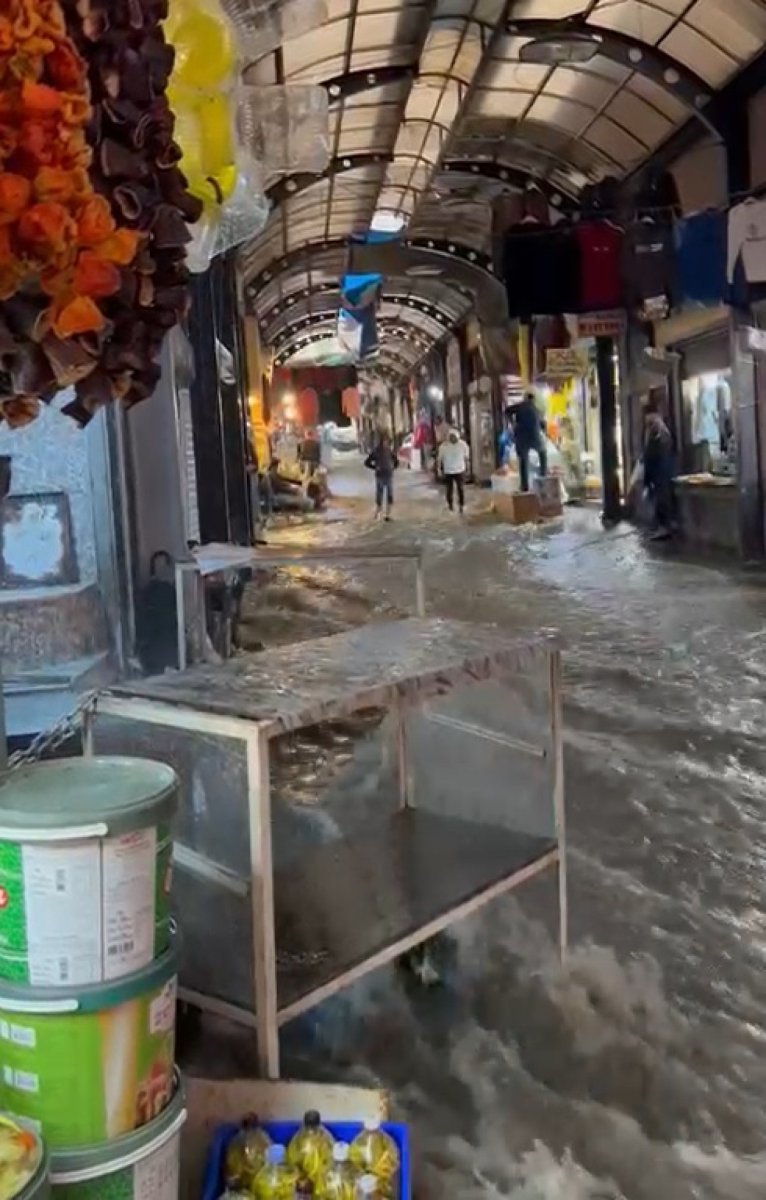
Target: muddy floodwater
point(638, 1071)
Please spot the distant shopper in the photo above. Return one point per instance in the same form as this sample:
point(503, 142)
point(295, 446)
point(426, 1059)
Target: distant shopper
point(658, 470)
point(309, 453)
point(383, 461)
point(528, 435)
point(454, 457)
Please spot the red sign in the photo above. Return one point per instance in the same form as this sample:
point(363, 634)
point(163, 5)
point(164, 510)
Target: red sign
point(601, 324)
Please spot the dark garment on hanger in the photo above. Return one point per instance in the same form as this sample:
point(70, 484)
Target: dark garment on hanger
point(536, 206)
point(701, 257)
point(541, 272)
point(648, 264)
point(600, 244)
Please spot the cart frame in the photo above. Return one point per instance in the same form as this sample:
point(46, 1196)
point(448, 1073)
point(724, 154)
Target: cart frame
point(269, 1013)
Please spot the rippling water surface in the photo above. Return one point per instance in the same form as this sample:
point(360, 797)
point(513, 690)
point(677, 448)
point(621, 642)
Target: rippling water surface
point(639, 1071)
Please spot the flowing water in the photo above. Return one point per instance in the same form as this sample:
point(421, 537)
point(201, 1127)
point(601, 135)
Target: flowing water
point(639, 1070)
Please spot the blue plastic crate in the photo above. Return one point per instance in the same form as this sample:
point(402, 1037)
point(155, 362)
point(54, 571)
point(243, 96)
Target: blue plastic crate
point(282, 1132)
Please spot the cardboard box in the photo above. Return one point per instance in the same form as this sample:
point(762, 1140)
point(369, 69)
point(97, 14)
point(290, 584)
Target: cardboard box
point(520, 508)
point(212, 1102)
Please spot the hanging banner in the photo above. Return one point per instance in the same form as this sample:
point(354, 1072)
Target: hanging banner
point(566, 364)
point(308, 407)
point(454, 371)
point(360, 291)
point(349, 402)
point(349, 334)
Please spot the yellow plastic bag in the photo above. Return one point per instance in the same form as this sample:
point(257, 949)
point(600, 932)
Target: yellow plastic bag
point(200, 94)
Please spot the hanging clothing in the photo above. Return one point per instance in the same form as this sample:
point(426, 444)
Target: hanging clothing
point(701, 257)
point(541, 272)
point(747, 241)
point(600, 245)
point(648, 266)
point(705, 426)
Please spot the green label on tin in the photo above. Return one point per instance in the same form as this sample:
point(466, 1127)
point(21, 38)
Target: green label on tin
point(89, 1077)
point(82, 912)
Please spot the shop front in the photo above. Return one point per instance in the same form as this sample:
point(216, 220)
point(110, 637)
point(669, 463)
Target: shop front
point(703, 415)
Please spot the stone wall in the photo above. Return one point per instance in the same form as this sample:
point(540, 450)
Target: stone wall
point(51, 454)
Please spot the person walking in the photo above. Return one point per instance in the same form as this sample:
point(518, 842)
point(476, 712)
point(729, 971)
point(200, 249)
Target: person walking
point(454, 457)
point(383, 461)
point(529, 435)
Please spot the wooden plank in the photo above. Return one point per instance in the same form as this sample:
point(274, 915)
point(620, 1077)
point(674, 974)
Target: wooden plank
point(262, 906)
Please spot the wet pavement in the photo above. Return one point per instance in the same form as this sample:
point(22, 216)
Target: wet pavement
point(639, 1070)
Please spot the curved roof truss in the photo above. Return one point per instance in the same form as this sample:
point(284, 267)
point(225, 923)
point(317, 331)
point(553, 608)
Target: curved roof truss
point(420, 90)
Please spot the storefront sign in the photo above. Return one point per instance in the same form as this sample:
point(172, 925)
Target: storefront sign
point(601, 324)
point(563, 364)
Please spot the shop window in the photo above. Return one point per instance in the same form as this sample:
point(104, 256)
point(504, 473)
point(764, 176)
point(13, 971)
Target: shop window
point(709, 442)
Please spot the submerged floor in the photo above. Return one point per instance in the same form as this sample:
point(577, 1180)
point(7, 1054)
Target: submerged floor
point(639, 1072)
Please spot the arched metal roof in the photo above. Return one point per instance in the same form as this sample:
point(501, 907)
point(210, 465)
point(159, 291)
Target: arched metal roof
point(437, 104)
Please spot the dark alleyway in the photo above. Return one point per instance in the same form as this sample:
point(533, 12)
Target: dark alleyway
point(640, 1071)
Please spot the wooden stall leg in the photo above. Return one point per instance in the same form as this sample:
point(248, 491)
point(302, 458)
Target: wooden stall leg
point(406, 798)
point(262, 897)
point(88, 718)
point(420, 588)
point(557, 740)
point(180, 618)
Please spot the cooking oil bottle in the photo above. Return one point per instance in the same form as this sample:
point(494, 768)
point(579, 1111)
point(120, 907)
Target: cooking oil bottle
point(310, 1150)
point(374, 1152)
point(245, 1154)
point(275, 1180)
point(339, 1180)
point(369, 1187)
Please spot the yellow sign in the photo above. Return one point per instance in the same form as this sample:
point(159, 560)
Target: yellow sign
point(564, 364)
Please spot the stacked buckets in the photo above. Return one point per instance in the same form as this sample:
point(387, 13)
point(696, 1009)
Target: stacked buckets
point(88, 975)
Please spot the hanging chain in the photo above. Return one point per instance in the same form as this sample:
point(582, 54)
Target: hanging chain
point(52, 739)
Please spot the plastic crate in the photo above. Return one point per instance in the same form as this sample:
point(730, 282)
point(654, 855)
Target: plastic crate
point(282, 1132)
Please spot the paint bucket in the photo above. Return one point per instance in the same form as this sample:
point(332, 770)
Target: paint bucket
point(89, 1064)
point(144, 1165)
point(38, 1186)
point(85, 868)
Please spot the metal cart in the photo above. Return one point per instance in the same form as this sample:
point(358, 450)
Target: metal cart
point(263, 944)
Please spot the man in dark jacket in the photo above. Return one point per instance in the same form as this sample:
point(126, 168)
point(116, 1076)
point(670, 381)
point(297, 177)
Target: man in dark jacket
point(383, 461)
point(659, 469)
point(528, 435)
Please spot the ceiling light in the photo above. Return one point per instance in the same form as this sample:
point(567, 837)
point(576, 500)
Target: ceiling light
point(552, 50)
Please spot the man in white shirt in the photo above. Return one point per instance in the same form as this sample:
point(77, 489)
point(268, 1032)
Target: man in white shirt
point(454, 457)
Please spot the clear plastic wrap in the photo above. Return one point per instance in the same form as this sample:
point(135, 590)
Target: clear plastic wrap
point(285, 127)
point(263, 25)
point(204, 93)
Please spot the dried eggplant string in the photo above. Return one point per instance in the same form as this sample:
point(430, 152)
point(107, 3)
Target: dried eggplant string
point(135, 167)
point(94, 210)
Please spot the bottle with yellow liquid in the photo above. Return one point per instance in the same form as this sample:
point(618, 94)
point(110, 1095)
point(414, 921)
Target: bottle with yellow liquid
point(339, 1180)
point(310, 1150)
point(246, 1154)
point(374, 1152)
point(369, 1187)
point(275, 1180)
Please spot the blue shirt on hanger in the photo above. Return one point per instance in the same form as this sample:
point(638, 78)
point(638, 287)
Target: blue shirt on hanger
point(701, 257)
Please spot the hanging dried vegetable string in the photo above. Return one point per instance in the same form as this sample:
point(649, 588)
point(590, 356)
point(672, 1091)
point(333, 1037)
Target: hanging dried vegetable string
point(135, 169)
point(57, 250)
